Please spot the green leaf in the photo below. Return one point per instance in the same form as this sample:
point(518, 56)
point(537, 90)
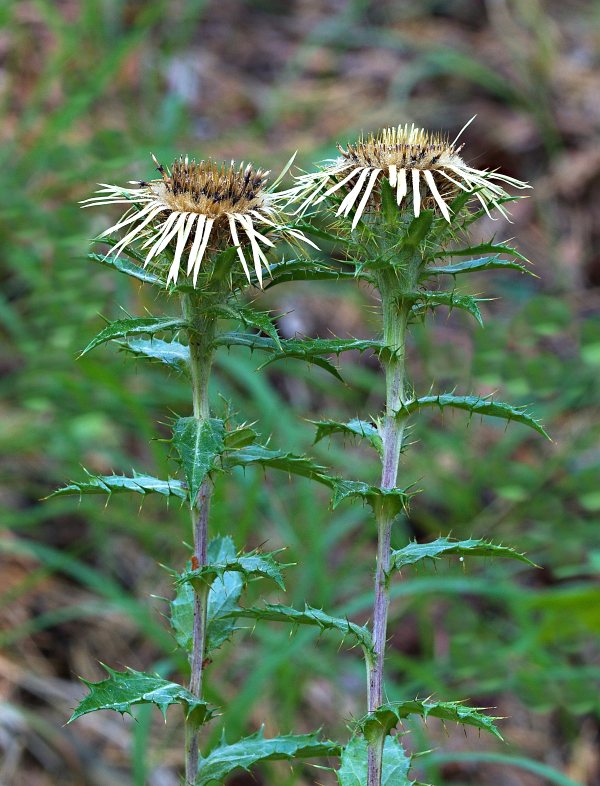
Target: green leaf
point(274, 612)
point(426, 300)
point(251, 340)
point(172, 353)
point(224, 595)
point(393, 501)
point(137, 326)
point(260, 320)
point(121, 690)
point(225, 759)
point(442, 547)
point(301, 271)
point(309, 350)
point(353, 770)
point(476, 406)
point(385, 718)
point(474, 265)
point(418, 229)
point(251, 317)
point(276, 459)
point(482, 248)
point(302, 348)
point(457, 204)
point(124, 265)
point(389, 205)
point(182, 616)
point(312, 350)
point(240, 437)
point(115, 484)
point(355, 428)
point(198, 444)
point(322, 234)
point(332, 346)
point(249, 566)
point(315, 361)
point(220, 271)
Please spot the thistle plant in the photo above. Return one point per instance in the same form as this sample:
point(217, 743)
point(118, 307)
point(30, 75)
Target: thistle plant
point(404, 201)
point(202, 218)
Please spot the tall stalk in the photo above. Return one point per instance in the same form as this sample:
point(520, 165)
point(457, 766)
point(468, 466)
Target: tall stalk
point(395, 312)
point(201, 334)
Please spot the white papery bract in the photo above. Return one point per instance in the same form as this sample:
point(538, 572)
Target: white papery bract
point(424, 169)
point(195, 207)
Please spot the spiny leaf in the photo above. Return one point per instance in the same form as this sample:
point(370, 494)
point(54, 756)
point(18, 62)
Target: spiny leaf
point(198, 444)
point(220, 270)
point(276, 459)
point(385, 718)
point(418, 229)
point(355, 428)
point(302, 271)
point(225, 759)
point(136, 326)
point(476, 406)
point(240, 437)
point(389, 205)
point(392, 500)
point(121, 690)
point(124, 265)
point(414, 552)
point(353, 770)
point(330, 346)
point(456, 206)
point(224, 595)
point(297, 347)
point(432, 300)
point(274, 612)
point(260, 320)
point(474, 265)
point(182, 616)
point(172, 353)
point(321, 233)
point(251, 340)
point(115, 484)
point(312, 350)
point(482, 248)
point(315, 361)
point(251, 317)
point(285, 350)
point(249, 566)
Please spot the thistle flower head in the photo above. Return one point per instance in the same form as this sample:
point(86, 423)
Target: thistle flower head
point(195, 207)
point(424, 169)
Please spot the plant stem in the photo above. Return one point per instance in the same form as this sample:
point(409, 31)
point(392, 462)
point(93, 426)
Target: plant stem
point(395, 319)
point(201, 333)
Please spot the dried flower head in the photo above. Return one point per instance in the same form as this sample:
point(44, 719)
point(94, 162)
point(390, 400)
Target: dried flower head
point(197, 206)
point(408, 158)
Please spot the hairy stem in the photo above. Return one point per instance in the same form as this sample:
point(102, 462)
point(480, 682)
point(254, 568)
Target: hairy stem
point(395, 319)
point(201, 333)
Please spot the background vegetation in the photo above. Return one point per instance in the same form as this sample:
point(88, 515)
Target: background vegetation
point(88, 89)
